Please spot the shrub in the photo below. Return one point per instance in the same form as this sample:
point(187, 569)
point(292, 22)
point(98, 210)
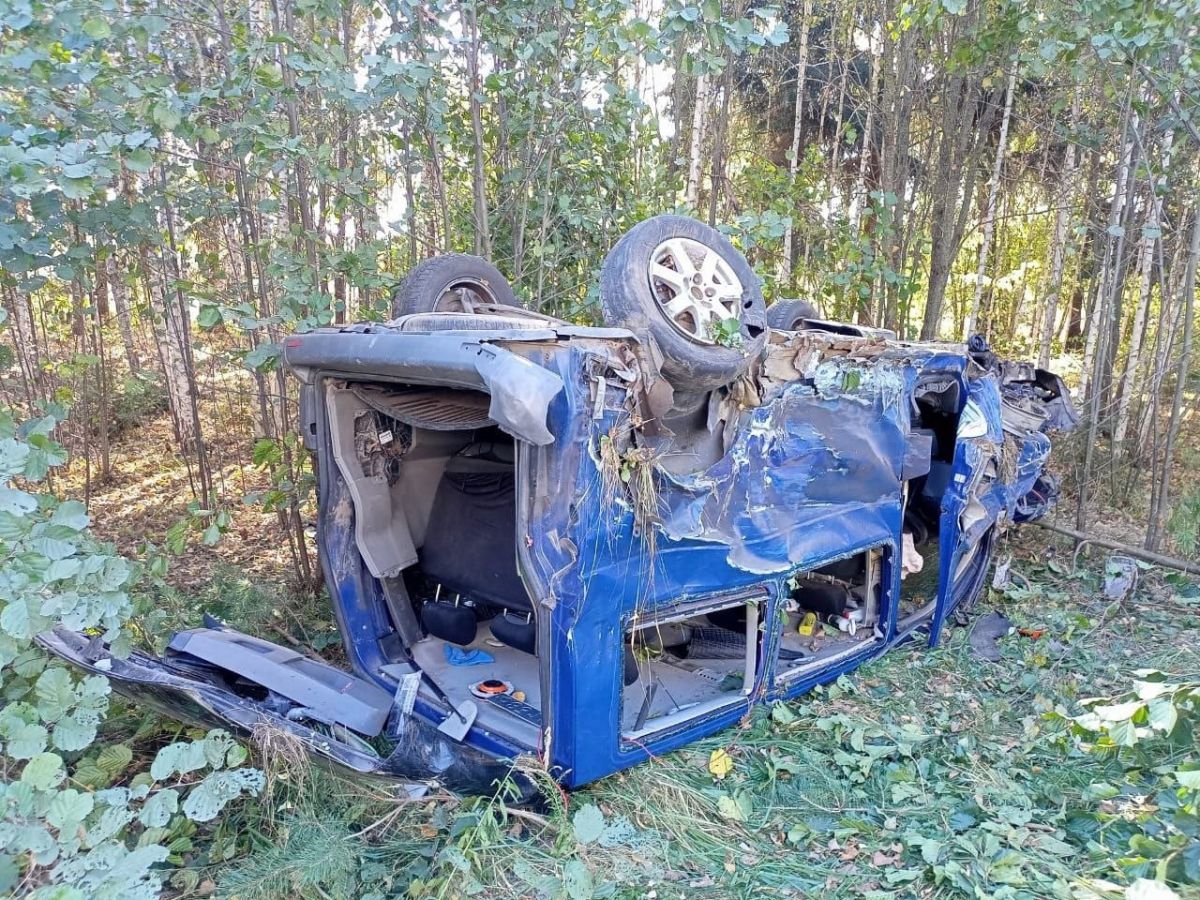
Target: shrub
point(1150, 817)
point(58, 837)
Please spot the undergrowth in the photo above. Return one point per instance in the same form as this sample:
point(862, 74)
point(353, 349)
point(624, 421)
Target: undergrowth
point(927, 773)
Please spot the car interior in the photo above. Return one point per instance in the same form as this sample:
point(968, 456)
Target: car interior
point(433, 483)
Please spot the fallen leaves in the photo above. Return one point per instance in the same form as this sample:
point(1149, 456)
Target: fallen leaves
point(720, 763)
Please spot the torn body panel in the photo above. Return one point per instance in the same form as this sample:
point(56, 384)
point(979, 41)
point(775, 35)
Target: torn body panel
point(418, 751)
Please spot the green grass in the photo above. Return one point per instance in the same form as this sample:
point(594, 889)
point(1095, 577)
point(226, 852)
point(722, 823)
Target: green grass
point(923, 774)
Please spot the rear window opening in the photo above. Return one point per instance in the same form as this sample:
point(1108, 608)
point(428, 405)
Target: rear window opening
point(683, 664)
point(434, 484)
point(831, 612)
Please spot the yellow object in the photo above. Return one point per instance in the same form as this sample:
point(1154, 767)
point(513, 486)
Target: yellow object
point(519, 695)
point(808, 624)
point(720, 763)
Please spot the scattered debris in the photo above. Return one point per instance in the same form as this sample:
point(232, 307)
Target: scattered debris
point(986, 634)
point(1120, 577)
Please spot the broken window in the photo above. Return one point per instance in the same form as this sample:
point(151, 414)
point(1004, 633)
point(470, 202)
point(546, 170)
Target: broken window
point(831, 612)
point(683, 663)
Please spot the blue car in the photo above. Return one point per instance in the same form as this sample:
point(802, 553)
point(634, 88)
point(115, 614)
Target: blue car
point(583, 546)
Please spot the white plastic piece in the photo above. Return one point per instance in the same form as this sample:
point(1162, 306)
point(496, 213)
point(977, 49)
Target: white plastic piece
point(911, 561)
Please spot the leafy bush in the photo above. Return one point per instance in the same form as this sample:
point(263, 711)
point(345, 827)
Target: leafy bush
point(72, 841)
point(139, 397)
point(1185, 523)
point(1151, 817)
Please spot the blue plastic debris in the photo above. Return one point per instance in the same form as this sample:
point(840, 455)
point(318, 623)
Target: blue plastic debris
point(457, 656)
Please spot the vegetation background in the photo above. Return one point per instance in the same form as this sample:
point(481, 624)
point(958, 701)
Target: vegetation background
point(182, 184)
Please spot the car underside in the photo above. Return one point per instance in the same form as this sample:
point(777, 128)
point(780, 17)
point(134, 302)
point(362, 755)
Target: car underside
point(580, 546)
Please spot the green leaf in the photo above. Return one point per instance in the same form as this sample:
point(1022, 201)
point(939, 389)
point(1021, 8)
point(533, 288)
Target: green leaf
point(209, 797)
point(97, 29)
point(782, 715)
point(577, 880)
point(159, 808)
point(52, 548)
point(62, 569)
point(1163, 715)
point(165, 116)
point(1123, 734)
point(114, 758)
point(1118, 712)
point(14, 620)
point(134, 866)
point(71, 514)
point(263, 357)
point(69, 808)
point(734, 808)
point(16, 502)
point(72, 733)
point(180, 757)
point(1190, 780)
point(76, 189)
point(140, 161)
point(55, 692)
point(589, 823)
point(44, 771)
point(27, 740)
point(209, 316)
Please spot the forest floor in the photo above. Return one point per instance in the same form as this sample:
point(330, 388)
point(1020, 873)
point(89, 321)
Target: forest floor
point(927, 773)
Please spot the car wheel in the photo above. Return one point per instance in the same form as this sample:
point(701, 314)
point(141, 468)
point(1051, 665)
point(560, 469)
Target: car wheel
point(455, 282)
point(788, 315)
point(685, 285)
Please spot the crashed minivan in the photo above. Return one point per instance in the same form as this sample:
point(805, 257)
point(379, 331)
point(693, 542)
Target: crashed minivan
point(583, 546)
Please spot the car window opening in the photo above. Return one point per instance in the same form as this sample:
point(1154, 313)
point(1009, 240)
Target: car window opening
point(831, 613)
point(684, 664)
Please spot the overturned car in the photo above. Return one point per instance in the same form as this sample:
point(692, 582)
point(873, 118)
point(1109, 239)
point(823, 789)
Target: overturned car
point(590, 545)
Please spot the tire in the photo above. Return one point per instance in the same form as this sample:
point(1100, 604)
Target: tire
point(636, 298)
point(786, 315)
point(441, 284)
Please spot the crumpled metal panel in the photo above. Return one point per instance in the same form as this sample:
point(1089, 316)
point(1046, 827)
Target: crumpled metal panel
point(420, 753)
point(520, 393)
point(806, 475)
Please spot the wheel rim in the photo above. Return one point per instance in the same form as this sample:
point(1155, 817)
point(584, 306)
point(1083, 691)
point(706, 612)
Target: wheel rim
point(695, 288)
point(463, 295)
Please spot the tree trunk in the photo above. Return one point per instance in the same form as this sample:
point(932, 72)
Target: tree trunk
point(483, 238)
point(119, 291)
point(859, 198)
point(989, 216)
point(1099, 326)
point(696, 151)
point(1136, 338)
point(1161, 501)
point(720, 138)
point(785, 269)
point(1058, 241)
point(951, 205)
